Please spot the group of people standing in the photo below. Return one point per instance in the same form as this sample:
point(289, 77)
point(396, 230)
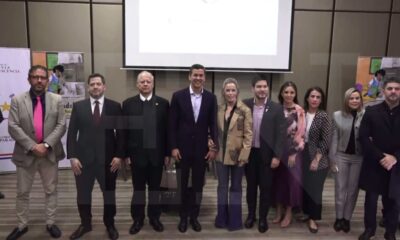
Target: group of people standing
point(284, 150)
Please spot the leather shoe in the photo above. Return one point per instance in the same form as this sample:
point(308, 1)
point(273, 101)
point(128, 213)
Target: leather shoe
point(346, 225)
point(337, 226)
point(249, 223)
point(389, 236)
point(156, 224)
point(136, 227)
point(366, 235)
point(262, 226)
point(182, 226)
point(16, 233)
point(196, 226)
point(80, 231)
point(53, 230)
point(112, 232)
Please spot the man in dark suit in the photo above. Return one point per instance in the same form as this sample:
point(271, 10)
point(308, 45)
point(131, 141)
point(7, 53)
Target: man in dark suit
point(193, 118)
point(95, 147)
point(268, 135)
point(146, 119)
point(1, 119)
point(379, 138)
point(36, 122)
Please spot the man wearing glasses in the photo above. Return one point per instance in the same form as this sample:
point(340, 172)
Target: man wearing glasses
point(36, 122)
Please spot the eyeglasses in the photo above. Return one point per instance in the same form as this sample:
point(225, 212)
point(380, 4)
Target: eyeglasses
point(36, 77)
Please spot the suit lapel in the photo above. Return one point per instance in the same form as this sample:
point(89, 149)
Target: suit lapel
point(48, 101)
point(28, 105)
point(188, 104)
point(202, 106)
point(234, 119)
point(87, 109)
point(221, 116)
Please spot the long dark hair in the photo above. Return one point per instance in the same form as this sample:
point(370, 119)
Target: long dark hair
point(283, 87)
point(322, 105)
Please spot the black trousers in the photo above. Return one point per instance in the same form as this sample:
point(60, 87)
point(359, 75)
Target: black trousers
point(192, 195)
point(258, 175)
point(84, 186)
point(313, 186)
point(141, 176)
point(391, 212)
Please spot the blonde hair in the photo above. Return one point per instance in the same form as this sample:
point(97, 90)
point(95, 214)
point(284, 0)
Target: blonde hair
point(226, 82)
point(347, 96)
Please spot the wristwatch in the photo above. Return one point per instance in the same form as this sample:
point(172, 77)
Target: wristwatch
point(46, 145)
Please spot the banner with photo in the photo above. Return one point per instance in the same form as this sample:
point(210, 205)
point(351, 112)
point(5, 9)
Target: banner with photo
point(371, 71)
point(66, 77)
point(14, 67)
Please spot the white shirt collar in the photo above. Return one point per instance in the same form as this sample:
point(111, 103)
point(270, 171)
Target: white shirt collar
point(101, 100)
point(192, 92)
point(144, 98)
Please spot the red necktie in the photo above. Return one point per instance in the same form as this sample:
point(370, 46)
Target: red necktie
point(96, 113)
point(38, 120)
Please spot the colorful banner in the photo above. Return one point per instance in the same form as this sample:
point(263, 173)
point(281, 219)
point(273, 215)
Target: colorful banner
point(371, 71)
point(14, 67)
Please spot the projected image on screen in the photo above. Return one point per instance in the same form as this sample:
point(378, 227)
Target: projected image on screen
point(221, 34)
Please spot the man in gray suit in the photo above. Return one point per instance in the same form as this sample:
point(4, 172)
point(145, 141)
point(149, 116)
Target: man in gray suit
point(36, 122)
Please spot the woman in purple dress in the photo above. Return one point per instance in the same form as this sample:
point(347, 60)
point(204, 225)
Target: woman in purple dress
point(288, 176)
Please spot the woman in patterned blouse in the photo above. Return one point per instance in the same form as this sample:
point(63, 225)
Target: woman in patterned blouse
point(315, 155)
point(288, 176)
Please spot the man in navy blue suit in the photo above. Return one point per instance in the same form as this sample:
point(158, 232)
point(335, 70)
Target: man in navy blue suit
point(193, 118)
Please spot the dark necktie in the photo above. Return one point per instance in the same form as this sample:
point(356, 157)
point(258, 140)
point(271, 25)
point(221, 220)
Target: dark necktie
point(96, 113)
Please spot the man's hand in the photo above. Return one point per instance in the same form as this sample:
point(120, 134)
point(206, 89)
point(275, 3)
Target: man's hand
point(292, 160)
point(275, 163)
point(76, 166)
point(211, 155)
point(388, 161)
point(39, 150)
point(115, 164)
point(176, 154)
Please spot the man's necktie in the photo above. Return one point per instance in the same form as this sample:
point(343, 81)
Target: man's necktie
point(96, 113)
point(38, 120)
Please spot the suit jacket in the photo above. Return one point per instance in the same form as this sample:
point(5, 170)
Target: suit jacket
point(319, 139)
point(272, 129)
point(190, 137)
point(93, 144)
point(342, 123)
point(379, 135)
point(132, 109)
point(20, 127)
point(239, 135)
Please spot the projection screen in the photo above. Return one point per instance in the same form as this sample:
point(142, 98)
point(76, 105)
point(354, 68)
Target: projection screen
point(223, 35)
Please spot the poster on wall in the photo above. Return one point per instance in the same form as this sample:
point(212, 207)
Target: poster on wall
point(371, 71)
point(14, 67)
point(66, 77)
